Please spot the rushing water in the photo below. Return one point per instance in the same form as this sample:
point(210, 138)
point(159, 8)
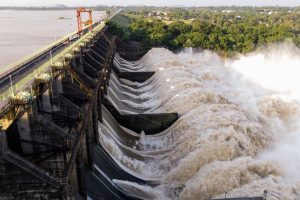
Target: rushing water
point(238, 130)
point(24, 32)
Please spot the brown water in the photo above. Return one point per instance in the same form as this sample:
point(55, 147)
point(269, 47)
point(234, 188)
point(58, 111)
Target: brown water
point(238, 131)
point(24, 32)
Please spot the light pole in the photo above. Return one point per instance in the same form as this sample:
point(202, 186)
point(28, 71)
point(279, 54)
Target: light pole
point(11, 86)
point(51, 57)
point(265, 194)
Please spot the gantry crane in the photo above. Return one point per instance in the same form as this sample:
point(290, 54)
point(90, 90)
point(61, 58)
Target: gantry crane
point(89, 22)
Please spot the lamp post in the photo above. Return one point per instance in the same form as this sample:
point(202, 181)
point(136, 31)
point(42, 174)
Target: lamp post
point(51, 58)
point(265, 194)
point(11, 86)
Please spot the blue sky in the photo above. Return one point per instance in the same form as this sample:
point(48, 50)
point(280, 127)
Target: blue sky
point(150, 2)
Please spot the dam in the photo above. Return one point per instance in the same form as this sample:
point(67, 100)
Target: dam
point(52, 113)
point(59, 111)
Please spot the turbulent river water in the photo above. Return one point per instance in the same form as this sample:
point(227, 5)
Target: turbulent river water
point(238, 130)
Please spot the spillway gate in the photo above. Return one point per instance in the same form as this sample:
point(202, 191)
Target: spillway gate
point(49, 125)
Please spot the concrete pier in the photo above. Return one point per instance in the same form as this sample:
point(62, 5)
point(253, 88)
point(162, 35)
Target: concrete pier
point(49, 141)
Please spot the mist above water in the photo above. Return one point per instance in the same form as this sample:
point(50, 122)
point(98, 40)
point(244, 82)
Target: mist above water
point(238, 130)
point(276, 67)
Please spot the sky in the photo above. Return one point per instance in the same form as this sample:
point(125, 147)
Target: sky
point(151, 2)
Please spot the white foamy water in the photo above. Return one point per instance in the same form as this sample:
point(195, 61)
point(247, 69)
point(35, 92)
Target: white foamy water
point(238, 130)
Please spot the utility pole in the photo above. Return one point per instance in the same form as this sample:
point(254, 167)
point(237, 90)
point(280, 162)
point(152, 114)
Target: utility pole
point(11, 86)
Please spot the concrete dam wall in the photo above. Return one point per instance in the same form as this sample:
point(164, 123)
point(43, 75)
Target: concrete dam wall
point(54, 147)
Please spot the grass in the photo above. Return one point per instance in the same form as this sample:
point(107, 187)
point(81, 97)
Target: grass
point(121, 20)
point(64, 18)
point(125, 20)
point(167, 22)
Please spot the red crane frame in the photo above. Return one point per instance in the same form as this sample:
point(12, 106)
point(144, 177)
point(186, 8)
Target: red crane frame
point(89, 22)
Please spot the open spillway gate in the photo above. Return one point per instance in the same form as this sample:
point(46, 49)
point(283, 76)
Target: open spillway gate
point(51, 130)
point(49, 140)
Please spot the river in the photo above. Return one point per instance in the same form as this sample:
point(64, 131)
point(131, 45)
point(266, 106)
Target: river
point(24, 32)
point(238, 131)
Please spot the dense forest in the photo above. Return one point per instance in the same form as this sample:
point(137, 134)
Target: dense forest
point(224, 30)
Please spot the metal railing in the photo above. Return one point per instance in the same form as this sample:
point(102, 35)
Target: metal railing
point(31, 168)
point(82, 84)
point(27, 81)
point(52, 126)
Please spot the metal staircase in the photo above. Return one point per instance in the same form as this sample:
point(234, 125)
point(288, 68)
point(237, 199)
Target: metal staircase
point(53, 127)
point(82, 84)
point(31, 168)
